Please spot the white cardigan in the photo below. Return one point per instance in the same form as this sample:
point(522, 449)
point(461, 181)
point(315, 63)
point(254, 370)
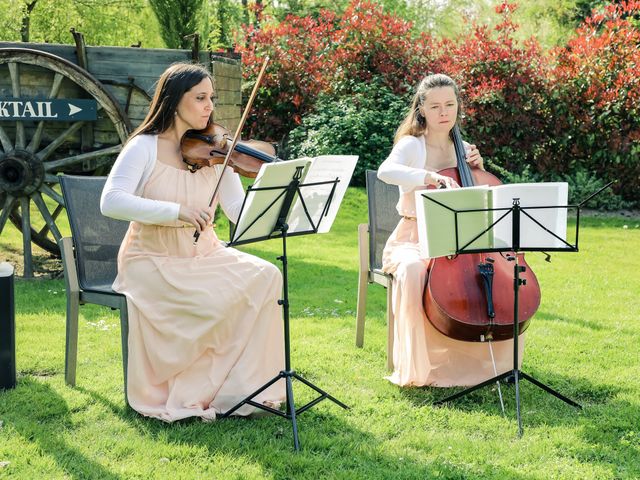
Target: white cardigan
point(121, 197)
point(406, 166)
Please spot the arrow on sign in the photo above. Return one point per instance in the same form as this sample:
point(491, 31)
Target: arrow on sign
point(73, 109)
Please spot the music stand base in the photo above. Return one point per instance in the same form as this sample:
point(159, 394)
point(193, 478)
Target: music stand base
point(517, 375)
point(291, 411)
point(288, 373)
point(515, 210)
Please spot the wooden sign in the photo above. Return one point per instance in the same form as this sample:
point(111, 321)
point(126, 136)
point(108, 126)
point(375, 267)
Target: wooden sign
point(47, 109)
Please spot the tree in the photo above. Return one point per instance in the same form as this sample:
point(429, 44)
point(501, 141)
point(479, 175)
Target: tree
point(223, 18)
point(178, 19)
point(103, 22)
point(304, 8)
point(549, 21)
point(9, 28)
point(583, 9)
point(26, 17)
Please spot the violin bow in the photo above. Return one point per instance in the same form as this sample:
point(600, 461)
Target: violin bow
point(236, 137)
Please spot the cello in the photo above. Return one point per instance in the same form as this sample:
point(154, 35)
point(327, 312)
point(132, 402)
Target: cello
point(470, 296)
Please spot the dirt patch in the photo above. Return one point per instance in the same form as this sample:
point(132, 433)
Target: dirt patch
point(45, 265)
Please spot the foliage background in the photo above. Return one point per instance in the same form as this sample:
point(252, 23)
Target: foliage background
point(550, 87)
point(569, 113)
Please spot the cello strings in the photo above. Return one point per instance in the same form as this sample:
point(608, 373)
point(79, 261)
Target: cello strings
point(495, 372)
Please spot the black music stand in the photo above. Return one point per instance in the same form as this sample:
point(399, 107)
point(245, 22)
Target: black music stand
point(283, 201)
point(516, 211)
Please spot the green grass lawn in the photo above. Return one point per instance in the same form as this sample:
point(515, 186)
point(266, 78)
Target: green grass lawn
point(584, 341)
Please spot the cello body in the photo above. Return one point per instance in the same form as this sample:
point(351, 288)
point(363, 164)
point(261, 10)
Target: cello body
point(456, 300)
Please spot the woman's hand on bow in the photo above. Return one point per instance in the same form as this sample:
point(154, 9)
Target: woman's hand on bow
point(199, 217)
point(440, 181)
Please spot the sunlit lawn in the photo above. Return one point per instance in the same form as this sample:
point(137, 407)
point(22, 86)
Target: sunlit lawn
point(584, 341)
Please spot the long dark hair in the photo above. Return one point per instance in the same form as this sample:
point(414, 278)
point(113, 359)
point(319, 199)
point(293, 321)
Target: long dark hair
point(174, 82)
point(414, 123)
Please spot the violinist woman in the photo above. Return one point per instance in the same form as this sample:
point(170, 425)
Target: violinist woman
point(204, 322)
point(423, 146)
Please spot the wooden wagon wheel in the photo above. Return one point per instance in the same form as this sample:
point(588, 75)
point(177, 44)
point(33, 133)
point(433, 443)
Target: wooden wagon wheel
point(33, 153)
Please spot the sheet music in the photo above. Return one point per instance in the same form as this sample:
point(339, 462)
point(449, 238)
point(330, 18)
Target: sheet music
point(322, 168)
point(260, 212)
point(532, 195)
point(437, 224)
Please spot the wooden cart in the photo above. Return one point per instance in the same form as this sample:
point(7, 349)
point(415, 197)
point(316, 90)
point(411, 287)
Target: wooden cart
point(68, 109)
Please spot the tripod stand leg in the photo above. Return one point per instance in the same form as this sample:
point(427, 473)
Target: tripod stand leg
point(473, 389)
point(550, 390)
point(291, 412)
point(516, 377)
point(320, 391)
point(249, 398)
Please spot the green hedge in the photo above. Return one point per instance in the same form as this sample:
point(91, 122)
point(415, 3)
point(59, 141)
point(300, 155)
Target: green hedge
point(360, 121)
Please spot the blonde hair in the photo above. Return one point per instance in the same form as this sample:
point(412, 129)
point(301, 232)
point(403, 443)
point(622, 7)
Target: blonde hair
point(414, 123)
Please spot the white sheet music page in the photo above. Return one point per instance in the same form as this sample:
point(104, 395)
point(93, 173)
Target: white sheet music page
point(437, 223)
point(321, 169)
point(261, 208)
point(532, 235)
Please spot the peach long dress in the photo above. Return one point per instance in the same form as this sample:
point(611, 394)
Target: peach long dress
point(421, 354)
point(205, 329)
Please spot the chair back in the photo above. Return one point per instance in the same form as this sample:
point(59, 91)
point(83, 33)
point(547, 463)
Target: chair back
point(383, 216)
point(96, 238)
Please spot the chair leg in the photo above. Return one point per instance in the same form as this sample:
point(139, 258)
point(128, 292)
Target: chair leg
point(71, 344)
point(124, 336)
point(73, 310)
point(363, 280)
point(390, 325)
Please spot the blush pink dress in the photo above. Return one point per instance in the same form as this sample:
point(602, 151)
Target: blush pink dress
point(205, 328)
point(421, 354)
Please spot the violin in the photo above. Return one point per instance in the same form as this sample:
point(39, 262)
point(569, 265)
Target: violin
point(208, 147)
point(471, 296)
point(204, 159)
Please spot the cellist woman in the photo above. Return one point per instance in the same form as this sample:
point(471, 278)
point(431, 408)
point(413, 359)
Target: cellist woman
point(205, 328)
point(422, 356)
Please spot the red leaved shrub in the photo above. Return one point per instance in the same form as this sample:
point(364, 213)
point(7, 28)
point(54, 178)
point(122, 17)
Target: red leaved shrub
point(574, 109)
point(503, 86)
point(595, 99)
point(323, 54)
point(295, 75)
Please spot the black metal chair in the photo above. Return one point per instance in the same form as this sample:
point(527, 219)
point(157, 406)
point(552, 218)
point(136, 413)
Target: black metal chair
point(89, 258)
point(372, 237)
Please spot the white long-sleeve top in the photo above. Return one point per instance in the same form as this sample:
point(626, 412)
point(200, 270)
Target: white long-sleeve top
point(122, 194)
point(406, 166)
